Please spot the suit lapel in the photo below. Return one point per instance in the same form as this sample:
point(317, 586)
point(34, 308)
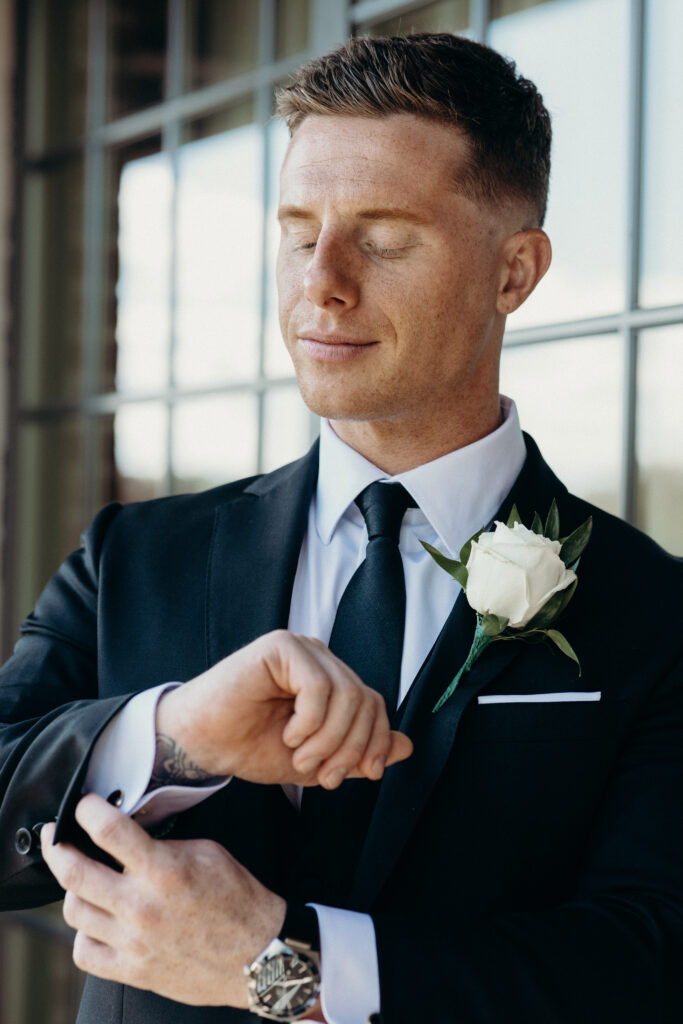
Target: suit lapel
point(407, 786)
point(255, 548)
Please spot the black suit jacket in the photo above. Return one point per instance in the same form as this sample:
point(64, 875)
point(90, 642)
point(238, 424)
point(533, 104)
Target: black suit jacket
point(525, 864)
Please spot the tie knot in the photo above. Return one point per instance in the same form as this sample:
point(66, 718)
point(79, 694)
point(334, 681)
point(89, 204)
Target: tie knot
point(383, 507)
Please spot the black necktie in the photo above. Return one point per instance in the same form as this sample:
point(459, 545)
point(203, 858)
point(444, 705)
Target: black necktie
point(368, 636)
point(368, 628)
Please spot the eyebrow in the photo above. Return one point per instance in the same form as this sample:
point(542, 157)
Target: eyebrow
point(374, 214)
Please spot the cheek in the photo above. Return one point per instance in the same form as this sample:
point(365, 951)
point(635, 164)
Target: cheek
point(288, 291)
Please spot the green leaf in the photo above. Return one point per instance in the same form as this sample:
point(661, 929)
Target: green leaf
point(552, 523)
point(552, 609)
point(514, 517)
point(467, 546)
point(537, 524)
point(564, 645)
point(494, 624)
point(536, 636)
point(454, 568)
point(575, 543)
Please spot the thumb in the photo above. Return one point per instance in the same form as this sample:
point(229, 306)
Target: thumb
point(401, 747)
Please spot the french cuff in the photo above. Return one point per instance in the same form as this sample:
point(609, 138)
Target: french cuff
point(349, 968)
point(122, 759)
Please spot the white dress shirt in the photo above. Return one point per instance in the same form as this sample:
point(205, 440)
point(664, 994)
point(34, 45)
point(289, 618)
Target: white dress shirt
point(456, 494)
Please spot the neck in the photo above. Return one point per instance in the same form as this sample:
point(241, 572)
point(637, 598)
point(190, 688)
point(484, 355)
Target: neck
point(395, 447)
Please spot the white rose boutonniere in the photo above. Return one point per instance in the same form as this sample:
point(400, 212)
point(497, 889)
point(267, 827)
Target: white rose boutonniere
point(518, 580)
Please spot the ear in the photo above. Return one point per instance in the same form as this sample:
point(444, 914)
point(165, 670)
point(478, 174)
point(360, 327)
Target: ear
point(526, 258)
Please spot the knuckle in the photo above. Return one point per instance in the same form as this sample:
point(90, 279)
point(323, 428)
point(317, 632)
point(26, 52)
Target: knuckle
point(106, 831)
point(71, 876)
point(352, 692)
point(354, 753)
point(136, 953)
point(319, 682)
point(70, 909)
point(380, 706)
point(142, 911)
point(79, 952)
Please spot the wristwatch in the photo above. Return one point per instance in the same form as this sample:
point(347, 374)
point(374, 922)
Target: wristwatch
point(283, 982)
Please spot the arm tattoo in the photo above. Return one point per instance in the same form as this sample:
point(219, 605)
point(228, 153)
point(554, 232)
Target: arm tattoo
point(172, 767)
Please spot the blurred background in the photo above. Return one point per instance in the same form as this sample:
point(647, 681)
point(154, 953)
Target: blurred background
point(139, 348)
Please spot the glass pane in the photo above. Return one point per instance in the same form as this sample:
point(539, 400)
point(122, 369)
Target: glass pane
point(291, 27)
point(133, 453)
point(52, 284)
point(56, 59)
point(50, 502)
point(501, 8)
point(442, 16)
point(277, 361)
point(222, 40)
point(219, 241)
point(141, 199)
point(662, 278)
point(287, 427)
point(659, 440)
point(570, 395)
point(576, 52)
point(214, 440)
point(136, 55)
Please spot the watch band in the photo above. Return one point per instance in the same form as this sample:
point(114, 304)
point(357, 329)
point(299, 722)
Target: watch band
point(301, 925)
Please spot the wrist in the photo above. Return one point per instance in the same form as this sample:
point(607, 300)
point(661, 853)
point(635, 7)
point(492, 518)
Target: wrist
point(180, 756)
point(283, 981)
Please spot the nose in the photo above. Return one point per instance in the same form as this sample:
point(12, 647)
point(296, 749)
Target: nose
point(330, 280)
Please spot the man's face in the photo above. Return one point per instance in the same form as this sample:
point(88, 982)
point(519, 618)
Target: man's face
point(388, 278)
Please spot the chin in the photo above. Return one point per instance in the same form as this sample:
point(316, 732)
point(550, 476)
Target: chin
point(350, 401)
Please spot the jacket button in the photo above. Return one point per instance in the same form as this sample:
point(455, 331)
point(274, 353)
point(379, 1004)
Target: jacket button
point(115, 798)
point(23, 841)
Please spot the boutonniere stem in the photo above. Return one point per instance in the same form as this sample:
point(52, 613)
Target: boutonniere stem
point(518, 580)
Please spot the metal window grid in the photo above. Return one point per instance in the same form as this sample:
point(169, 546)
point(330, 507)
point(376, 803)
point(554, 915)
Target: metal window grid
point(331, 21)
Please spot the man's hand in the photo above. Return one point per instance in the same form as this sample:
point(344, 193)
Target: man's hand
point(283, 709)
point(182, 919)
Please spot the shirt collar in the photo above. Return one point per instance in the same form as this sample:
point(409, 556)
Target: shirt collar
point(458, 493)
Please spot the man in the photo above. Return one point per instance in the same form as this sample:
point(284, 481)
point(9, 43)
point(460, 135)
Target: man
point(522, 859)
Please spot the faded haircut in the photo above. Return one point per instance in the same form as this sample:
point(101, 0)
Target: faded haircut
point(448, 79)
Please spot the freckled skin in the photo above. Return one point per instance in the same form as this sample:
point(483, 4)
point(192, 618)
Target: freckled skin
point(431, 292)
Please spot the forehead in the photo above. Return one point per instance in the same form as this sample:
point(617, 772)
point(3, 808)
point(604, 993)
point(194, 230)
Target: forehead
point(402, 156)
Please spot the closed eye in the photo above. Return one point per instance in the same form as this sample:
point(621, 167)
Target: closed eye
point(386, 253)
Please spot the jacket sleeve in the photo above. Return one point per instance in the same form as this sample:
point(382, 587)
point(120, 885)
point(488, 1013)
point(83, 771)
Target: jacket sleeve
point(49, 718)
point(613, 952)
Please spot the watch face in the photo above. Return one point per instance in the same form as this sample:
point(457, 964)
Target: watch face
point(287, 985)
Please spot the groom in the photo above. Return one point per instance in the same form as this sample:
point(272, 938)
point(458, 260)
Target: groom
point(522, 857)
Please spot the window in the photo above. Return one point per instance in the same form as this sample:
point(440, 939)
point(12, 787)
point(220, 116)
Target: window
point(147, 350)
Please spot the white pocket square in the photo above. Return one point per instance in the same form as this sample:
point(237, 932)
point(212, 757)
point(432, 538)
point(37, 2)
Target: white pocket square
point(538, 698)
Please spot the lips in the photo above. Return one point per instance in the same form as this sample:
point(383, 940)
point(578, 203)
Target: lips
point(334, 348)
point(333, 339)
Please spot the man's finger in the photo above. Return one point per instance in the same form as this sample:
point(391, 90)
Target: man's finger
point(401, 747)
point(91, 920)
point(97, 958)
point(347, 752)
point(114, 832)
point(89, 880)
point(348, 703)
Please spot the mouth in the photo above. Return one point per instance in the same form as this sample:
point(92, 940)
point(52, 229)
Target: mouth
point(333, 348)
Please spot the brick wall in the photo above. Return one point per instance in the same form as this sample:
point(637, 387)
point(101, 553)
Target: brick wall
point(6, 131)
